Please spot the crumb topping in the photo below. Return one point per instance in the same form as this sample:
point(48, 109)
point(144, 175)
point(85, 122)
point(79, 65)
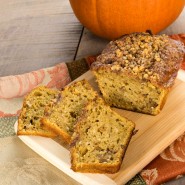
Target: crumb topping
point(150, 57)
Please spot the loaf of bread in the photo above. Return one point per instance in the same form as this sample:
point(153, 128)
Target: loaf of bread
point(100, 139)
point(137, 71)
point(62, 116)
point(29, 121)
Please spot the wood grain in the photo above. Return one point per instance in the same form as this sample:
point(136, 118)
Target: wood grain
point(92, 45)
point(36, 34)
point(154, 134)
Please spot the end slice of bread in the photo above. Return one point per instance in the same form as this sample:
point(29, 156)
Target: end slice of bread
point(63, 114)
point(100, 139)
point(29, 121)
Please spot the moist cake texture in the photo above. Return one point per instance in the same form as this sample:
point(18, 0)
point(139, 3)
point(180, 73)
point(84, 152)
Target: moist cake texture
point(100, 139)
point(29, 121)
point(63, 114)
point(137, 71)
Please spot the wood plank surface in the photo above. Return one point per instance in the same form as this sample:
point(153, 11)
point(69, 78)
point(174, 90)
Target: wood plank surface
point(92, 45)
point(36, 34)
point(154, 134)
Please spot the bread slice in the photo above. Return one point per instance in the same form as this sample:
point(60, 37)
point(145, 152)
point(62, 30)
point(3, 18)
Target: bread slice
point(62, 116)
point(100, 139)
point(29, 121)
point(137, 71)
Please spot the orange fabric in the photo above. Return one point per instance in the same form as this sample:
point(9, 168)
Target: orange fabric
point(168, 165)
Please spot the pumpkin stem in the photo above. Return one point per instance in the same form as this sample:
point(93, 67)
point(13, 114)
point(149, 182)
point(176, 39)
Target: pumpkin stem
point(149, 31)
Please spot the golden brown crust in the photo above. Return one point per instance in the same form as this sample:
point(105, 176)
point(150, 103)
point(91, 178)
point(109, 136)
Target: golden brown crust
point(65, 136)
point(155, 58)
point(76, 84)
point(43, 134)
point(93, 168)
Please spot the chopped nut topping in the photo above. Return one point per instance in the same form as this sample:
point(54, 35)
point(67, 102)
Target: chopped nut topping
point(145, 76)
point(150, 57)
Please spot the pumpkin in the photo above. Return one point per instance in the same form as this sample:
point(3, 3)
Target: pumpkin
point(112, 18)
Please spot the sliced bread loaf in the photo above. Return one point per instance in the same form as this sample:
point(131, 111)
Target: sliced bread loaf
point(100, 139)
point(63, 114)
point(29, 121)
point(137, 71)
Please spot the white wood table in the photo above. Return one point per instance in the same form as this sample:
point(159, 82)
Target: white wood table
point(41, 33)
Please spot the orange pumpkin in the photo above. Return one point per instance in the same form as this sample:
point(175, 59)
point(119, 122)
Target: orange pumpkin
point(112, 18)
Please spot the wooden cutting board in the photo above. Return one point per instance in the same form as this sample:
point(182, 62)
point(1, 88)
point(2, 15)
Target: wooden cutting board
point(154, 134)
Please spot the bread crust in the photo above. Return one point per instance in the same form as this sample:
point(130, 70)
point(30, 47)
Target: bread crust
point(93, 168)
point(65, 136)
point(166, 68)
